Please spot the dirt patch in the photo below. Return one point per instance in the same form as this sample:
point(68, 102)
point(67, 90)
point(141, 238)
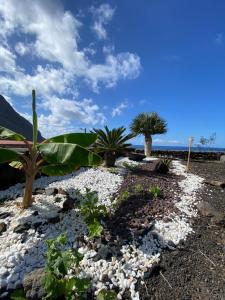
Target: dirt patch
point(138, 207)
point(196, 269)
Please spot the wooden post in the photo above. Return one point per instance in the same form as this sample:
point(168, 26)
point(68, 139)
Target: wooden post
point(189, 152)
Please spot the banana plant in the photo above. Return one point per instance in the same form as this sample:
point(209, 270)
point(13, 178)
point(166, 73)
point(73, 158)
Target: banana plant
point(58, 155)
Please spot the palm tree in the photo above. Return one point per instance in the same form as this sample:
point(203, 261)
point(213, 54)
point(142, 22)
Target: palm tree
point(111, 142)
point(148, 125)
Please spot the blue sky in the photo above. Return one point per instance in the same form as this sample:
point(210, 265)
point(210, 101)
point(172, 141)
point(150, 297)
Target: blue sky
point(94, 63)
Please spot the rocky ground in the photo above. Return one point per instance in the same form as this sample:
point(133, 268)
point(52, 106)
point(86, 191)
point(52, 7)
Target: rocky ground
point(149, 249)
point(196, 269)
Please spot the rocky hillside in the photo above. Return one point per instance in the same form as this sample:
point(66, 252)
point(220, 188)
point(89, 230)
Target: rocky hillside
point(9, 118)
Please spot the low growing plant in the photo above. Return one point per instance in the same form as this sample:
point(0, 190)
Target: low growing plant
point(163, 166)
point(156, 192)
point(123, 196)
point(130, 166)
point(138, 188)
point(167, 162)
point(107, 295)
point(92, 213)
point(57, 283)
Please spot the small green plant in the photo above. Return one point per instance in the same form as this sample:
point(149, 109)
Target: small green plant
point(18, 295)
point(130, 166)
point(113, 170)
point(138, 188)
point(156, 192)
point(106, 295)
point(167, 162)
point(92, 213)
point(57, 283)
point(124, 196)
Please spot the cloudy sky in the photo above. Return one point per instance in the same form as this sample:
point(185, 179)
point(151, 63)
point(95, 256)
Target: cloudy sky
point(94, 63)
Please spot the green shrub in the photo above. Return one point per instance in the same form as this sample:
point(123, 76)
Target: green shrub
point(92, 213)
point(130, 166)
point(138, 188)
point(124, 196)
point(156, 192)
point(57, 284)
point(107, 295)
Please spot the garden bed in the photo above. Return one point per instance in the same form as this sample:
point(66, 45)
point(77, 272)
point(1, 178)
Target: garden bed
point(139, 226)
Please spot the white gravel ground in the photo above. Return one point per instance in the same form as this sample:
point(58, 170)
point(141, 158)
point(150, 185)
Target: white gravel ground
point(18, 257)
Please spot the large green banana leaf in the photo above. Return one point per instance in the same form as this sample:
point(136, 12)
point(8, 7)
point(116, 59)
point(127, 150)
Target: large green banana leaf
point(7, 134)
point(7, 155)
point(68, 154)
point(82, 139)
point(58, 170)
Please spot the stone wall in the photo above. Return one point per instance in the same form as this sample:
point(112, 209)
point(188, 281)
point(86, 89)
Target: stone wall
point(184, 154)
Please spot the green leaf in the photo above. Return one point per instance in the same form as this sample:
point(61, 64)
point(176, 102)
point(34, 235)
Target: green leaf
point(16, 164)
point(7, 134)
point(68, 154)
point(7, 155)
point(35, 122)
point(18, 295)
point(82, 285)
point(107, 295)
point(57, 169)
point(82, 139)
point(95, 228)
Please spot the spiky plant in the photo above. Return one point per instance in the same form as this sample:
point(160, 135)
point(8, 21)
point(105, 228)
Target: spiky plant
point(148, 125)
point(111, 142)
point(58, 155)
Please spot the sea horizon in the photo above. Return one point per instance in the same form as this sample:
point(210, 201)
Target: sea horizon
point(182, 148)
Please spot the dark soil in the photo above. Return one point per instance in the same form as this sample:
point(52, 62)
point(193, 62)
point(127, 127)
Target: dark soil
point(196, 269)
point(137, 207)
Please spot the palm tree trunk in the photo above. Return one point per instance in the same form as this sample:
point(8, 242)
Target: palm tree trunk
point(148, 145)
point(27, 197)
point(109, 159)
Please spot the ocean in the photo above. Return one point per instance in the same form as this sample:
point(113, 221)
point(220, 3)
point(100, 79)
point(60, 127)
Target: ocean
point(181, 148)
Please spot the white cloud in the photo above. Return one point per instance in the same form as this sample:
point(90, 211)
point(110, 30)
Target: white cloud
point(122, 66)
point(51, 34)
point(46, 81)
point(219, 38)
point(61, 113)
point(117, 111)
point(55, 38)
point(7, 60)
point(102, 16)
point(22, 48)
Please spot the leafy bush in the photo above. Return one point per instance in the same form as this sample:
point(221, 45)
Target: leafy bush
point(107, 295)
point(110, 142)
point(92, 213)
point(130, 166)
point(156, 192)
point(55, 156)
point(138, 188)
point(167, 162)
point(18, 295)
point(57, 284)
point(163, 166)
point(124, 196)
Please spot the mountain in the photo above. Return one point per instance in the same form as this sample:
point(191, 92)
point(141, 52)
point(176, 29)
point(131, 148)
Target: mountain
point(10, 119)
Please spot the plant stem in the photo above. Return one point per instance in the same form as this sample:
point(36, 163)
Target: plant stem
point(27, 198)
